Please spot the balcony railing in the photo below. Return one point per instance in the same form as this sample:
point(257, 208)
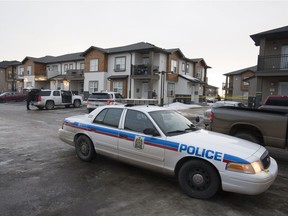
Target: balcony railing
point(273, 62)
point(144, 70)
point(75, 74)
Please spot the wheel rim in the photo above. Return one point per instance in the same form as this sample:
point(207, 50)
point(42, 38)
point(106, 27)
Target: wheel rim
point(83, 148)
point(198, 179)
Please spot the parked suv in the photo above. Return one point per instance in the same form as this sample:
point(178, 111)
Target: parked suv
point(276, 103)
point(50, 98)
point(103, 98)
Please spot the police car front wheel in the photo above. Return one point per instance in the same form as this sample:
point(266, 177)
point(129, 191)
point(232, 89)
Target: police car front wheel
point(199, 179)
point(84, 148)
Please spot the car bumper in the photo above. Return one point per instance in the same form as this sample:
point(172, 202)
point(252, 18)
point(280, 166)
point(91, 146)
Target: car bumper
point(250, 184)
point(66, 136)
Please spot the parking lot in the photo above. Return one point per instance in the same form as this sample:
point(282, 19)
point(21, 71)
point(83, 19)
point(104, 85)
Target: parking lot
point(41, 175)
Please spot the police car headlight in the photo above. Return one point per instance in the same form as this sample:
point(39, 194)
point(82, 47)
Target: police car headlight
point(252, 168)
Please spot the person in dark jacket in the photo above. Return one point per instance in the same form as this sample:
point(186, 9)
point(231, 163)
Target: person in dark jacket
point(29, 99)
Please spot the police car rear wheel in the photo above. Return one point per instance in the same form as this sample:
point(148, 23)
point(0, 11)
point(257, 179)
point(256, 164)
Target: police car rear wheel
point(85, 148)
point(199, 179)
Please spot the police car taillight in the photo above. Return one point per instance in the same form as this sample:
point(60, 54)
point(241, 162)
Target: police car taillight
point(108, 102)
point(39, 98)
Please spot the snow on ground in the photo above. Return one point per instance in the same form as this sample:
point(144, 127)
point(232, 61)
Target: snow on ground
point(181, 106)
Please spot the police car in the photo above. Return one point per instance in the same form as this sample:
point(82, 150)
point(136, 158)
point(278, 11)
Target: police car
point(165, 141)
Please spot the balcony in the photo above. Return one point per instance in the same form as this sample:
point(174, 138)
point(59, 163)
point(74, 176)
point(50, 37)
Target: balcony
point(144, 72)
point(75, 74)
point(272, 62)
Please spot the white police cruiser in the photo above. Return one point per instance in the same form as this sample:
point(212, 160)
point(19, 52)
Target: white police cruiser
point(165, 141)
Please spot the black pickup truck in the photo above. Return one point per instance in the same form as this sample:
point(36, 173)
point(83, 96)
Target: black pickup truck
point(268, 128)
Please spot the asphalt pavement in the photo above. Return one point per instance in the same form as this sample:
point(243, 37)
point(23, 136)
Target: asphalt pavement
point(40, 175)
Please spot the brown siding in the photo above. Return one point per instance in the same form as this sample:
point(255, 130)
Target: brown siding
point(243, 76)
point(26, 64)
point(95, 54)
point(40, 69)
point(125, 86)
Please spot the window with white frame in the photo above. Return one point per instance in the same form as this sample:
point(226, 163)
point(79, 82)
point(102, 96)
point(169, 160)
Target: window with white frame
point(29, 70)
point(55, 68)
point(183, 66)
point(94, 65)
point(170, 89)
point(65, 67)
point(70, 66)
point(245, 83)
point(146, 60)
point(118, 87)
point(199, 73)
point(120, 63)
point(93, 86)
point(82, 66)
point(21, 72)
point(10, 75)
point(174, 66)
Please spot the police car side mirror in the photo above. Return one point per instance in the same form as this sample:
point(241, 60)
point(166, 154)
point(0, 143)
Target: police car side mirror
point(151, 131)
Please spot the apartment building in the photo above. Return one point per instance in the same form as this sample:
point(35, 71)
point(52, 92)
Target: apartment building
point(270, 76)
point(134, 70)
point(10, 80)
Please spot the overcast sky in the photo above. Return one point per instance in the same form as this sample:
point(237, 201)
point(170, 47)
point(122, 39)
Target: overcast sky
point(218, 31)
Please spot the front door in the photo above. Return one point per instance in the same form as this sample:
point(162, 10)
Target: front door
point(144, 91)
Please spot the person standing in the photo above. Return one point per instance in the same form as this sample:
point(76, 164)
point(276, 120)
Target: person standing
point(29, 99)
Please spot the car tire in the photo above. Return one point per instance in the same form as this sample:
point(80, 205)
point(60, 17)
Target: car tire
point(76, 103)
point(199, 179)
point(247, 136)
point(84, 148)
point(49, 105)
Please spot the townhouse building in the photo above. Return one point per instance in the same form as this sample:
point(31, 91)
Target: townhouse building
point(10, 80)
point(270, 76)
point(135, 71)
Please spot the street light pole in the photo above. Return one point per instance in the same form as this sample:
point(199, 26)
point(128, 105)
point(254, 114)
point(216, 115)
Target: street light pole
point(162, 89)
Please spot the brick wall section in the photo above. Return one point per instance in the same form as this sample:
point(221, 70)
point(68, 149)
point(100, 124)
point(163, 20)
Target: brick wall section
point(96, 54)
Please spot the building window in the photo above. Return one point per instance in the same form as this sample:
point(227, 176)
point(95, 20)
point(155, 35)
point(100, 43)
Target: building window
point(29, 70)
point(174, 66)
point(55, 68)
point(70, 66)
point(82, 66)
point(94, 65)
point(146, 60)
point(118, 87)
point(199, 73)
point(21, 72)
point(120, 64)
point(10, 76)
point(183, 66)
point(93, 86)
point(171, 89)
point(65, 67)
point(245, 83)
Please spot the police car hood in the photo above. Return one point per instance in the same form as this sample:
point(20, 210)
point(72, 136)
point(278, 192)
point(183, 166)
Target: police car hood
point(217, 142)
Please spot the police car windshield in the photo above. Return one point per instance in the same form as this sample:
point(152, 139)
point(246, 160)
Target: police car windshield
point(172, 123)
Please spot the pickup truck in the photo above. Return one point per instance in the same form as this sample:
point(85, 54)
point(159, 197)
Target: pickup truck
point(50, 98)
point(265, 127)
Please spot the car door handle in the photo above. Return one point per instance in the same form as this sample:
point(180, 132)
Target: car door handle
point(123, 136)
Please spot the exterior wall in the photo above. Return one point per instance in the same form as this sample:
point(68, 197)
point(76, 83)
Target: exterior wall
point(273, 47)
point(39, 69)
point(111, 64)
point(101, 77)
point(3, 83)
point(95, 54)
point(237, 92)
